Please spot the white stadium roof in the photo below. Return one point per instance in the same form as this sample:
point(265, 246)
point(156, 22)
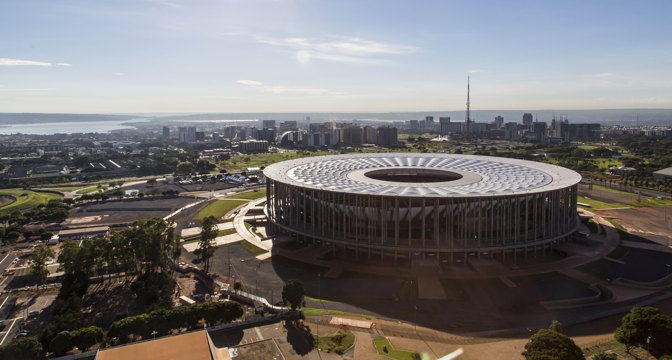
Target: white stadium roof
point(480, 175)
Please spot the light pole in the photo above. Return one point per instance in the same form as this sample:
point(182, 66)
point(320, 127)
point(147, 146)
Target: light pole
point(415, 318)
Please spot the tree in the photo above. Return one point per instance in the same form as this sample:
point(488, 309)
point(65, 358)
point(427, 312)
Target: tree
point(27, 348)
point(548, 344)
point(39, 267)
point(153, 242)
point(61, 343)
point(647, 327)
point(205, 247)
point(68, 256)
point(293, 293)
point(86, 337)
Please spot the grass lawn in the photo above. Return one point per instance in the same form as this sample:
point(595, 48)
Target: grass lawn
point(384, 348)
point(26, 199)
point(252, 249)
point(599, 205)
point(315, 312)
point(250, 195)
point(89, 190)
point(218, 208)
point(338, 342)
point(606, 188)
point(606, 163)
point(226, 232)
point(62, 188)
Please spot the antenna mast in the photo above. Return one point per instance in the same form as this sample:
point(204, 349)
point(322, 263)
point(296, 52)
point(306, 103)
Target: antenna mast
point(468, 120)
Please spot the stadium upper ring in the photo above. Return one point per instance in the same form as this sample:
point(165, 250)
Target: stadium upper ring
point(422, 175)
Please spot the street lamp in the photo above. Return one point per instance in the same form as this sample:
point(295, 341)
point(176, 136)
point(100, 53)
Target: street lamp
point(415, 318)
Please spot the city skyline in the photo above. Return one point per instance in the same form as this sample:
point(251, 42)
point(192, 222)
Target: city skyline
point(300, 56)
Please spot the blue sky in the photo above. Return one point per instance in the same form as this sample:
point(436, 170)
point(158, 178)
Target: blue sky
point(346, 56)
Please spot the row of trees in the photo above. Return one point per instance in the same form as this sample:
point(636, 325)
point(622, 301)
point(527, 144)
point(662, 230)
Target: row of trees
point(644, 327)
point(83, 339)
point(163, 322)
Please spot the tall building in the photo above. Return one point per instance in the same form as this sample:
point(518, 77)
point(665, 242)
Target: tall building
point(386, 136)
point(200, 136)
point(444, 123)
point(166, 133)
point(511, 131)
point(369, 135)
point(499, 122)
point(268, 124)
point(289, 125)
point(186, 134)
point(584, 131)
point(352, 136)
point(267, 134)
point(253, 146)
point(528, 119)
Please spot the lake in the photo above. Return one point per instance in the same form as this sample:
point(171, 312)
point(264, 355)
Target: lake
point(50, 128)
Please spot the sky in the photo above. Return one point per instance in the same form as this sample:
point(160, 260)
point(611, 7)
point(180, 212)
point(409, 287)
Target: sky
point(131, 56)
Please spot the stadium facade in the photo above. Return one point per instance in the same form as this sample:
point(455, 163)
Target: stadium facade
point(404, 206)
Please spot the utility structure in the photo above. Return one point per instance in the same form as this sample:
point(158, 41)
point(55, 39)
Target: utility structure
point(468, 119)
point(429, 207)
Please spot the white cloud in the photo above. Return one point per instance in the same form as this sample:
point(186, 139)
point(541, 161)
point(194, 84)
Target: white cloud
point(349, 50)
point(18, 62)
point(279, 89)
point(249, 82)
point(64, 64)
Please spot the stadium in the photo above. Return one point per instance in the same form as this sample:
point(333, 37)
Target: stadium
point(424, 207)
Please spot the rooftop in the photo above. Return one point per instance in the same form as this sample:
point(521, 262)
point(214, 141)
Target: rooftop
point(423, 175)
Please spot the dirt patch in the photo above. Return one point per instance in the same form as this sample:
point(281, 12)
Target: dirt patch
point(261, 350)
point(108, 301)
point(6, 200)
point(649, 222)
point(609, 197)
point(190, 286)
point(115, 212)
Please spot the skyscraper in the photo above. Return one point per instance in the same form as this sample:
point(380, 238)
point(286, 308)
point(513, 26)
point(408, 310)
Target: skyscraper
point(528, 119)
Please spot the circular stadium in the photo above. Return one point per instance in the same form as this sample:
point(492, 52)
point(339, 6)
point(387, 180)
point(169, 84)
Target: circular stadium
point(429, 207)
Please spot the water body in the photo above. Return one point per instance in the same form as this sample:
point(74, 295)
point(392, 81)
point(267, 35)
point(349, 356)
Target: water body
point(69, 127)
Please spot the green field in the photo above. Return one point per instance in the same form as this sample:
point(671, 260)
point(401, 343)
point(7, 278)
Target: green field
point(26, 199)
point(251, 248)
point(600, 205)
point(250, 195)
point(226, 232)
point(62, 188)
point(384, 348)
point(88, 190)
point(606, 163)
point(218, 208)
point(645, 202)
point(338, 342)
point(617, 191)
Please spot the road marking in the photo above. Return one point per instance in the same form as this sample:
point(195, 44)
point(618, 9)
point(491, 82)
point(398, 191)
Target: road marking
point(7, 298)
point(8, 331)
point(256, 329)
point(3, 259)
